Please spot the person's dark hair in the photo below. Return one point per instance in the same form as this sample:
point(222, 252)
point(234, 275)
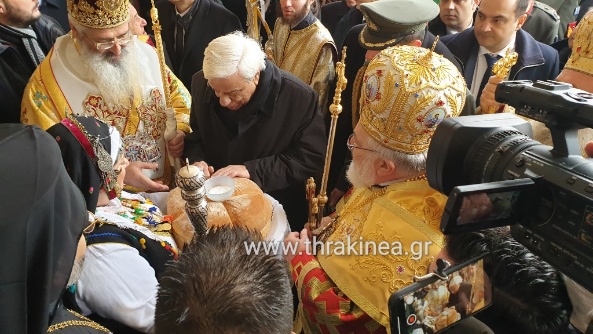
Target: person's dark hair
point(463, 246)
point(218, 287)
point(529, 294)
point(522, 6)
point(528, 291)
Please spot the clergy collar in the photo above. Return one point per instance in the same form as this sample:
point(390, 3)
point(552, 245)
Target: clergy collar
point(308, 20)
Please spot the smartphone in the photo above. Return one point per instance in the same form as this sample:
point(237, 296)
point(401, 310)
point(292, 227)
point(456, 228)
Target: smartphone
point(486, 205)
point(435, 304)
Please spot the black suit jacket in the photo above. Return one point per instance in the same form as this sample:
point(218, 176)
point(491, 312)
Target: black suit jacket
point(332, 13)
point(58, 10)
point(210, 21)
point(536, 61)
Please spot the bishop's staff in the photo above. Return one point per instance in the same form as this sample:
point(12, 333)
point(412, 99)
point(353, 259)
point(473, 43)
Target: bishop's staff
point(317, 203)
point(171, 128)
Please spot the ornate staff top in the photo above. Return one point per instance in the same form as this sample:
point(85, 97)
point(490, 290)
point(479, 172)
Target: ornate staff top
point(502, 68)
point(317, 203)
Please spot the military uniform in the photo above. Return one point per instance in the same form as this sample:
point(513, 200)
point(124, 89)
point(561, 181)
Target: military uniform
point(565, 9)
point(543, 23)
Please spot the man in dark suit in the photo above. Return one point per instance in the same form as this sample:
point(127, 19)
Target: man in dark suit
point(332, 13)
point(454, 16)
point(252, 119)
point(497, 28)
point(188, 27)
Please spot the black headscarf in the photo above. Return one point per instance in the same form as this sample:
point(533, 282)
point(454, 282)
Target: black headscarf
point(82, 169)
point(43, 215)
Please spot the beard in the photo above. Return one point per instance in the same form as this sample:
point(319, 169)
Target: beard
point(116, 78)
point(21, 18)
point(361, 174)
point(76, 271)
point(297, 17)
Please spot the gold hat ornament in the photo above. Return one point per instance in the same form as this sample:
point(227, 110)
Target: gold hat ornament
point(406, 92)
point(99, 14)
point(581, 59)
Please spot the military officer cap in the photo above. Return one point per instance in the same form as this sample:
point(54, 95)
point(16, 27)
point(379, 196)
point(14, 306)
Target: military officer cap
point(390, 21)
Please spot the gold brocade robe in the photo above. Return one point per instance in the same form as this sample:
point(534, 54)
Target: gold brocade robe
point(346, 291)
point(61, 85)
point(307, 53)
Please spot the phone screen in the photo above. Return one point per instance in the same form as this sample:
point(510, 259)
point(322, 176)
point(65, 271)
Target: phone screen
point(433, 305)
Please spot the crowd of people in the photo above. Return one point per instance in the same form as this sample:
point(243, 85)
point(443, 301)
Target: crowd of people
point(94, 112)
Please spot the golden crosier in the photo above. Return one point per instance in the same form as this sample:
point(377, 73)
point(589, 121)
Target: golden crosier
point(317, 203)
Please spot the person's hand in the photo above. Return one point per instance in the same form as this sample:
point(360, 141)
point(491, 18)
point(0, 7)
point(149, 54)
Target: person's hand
point(137, 179)
point(208, 170)
point(487, 101)
point(233, 171)
point(334, 197)
point(296, 243)
point(324, 222)
point(175, 145)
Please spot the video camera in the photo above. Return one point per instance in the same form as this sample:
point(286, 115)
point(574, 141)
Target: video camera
point(545, 193)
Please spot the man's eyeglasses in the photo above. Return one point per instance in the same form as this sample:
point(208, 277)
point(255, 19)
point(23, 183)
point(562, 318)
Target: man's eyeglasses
point(123, 41)
point(352, 146)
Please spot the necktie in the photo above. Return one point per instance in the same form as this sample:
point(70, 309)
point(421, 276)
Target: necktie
point(179, 39)
point(490, 60)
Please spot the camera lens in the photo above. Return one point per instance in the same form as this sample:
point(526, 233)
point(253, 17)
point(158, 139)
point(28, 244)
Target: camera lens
point(488, 159)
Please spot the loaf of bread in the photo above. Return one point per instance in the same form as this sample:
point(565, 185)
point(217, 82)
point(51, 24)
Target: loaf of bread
point(248, 206)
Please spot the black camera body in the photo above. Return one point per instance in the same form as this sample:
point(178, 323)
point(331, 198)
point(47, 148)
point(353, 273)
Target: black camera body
point(553, 214)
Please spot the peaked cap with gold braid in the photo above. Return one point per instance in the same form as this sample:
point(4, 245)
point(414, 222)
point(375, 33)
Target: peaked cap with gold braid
point(99, 14)
point(581, 58)
point(406, 92)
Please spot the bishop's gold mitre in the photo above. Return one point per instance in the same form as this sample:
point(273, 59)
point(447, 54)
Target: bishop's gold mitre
point(406, 92)
point(99, 14)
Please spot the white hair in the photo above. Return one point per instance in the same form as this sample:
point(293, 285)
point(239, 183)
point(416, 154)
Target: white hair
point(409, 163)
point(232, 53)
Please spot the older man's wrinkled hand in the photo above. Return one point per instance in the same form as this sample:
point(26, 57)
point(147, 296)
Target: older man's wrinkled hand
point(175, 145)
point(233, 171)
point(208, 170)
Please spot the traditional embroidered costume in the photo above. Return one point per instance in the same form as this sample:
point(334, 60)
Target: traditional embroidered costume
point(345, 288)
point(61, 85)
point(130, 243)
point(308, 51)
